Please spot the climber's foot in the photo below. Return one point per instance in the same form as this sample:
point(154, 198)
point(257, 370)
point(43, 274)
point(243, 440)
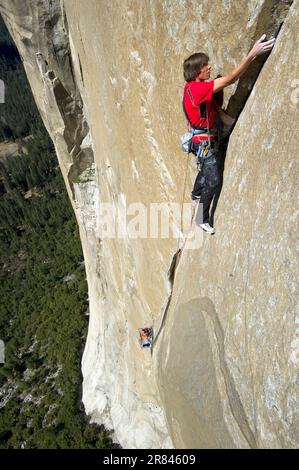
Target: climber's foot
point(207, 228)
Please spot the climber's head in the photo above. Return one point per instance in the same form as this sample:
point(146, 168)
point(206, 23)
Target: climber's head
point(197, 68)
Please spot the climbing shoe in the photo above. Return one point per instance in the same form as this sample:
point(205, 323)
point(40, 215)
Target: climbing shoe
point(207, 228)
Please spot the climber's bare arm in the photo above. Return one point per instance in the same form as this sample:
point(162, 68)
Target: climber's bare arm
point(259, 48)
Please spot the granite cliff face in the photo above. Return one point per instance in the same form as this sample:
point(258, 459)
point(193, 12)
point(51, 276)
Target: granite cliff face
point(107, 79)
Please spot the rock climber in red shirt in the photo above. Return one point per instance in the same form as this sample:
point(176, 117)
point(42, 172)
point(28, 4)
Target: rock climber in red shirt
point(201, 110)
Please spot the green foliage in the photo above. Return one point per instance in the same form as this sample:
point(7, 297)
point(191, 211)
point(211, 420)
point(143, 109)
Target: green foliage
point(42, 314)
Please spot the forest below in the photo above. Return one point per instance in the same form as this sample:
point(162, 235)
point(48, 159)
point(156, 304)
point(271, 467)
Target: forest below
point(43, 288)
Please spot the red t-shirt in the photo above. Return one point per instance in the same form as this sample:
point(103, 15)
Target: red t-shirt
point(201, 92)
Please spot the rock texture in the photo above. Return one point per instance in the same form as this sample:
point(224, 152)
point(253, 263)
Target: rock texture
point(107, 79)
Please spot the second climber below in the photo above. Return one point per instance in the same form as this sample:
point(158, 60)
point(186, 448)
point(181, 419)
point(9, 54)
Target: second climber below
point(202, 110)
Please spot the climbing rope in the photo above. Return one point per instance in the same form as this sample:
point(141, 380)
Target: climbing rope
point(171, 272)
point(183, 196)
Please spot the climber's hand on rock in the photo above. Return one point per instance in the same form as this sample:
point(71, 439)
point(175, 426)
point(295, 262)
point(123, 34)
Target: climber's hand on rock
point(261, 46)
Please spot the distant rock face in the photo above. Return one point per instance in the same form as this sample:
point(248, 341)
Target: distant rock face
point(107, 78)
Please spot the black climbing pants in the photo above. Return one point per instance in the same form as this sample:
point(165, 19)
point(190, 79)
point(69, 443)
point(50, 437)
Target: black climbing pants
point(208, 182)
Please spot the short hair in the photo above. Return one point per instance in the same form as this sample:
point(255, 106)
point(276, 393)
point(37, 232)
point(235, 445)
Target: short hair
point(194, 64)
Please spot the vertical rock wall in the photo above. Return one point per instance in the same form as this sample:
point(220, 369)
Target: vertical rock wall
point(229, 353)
